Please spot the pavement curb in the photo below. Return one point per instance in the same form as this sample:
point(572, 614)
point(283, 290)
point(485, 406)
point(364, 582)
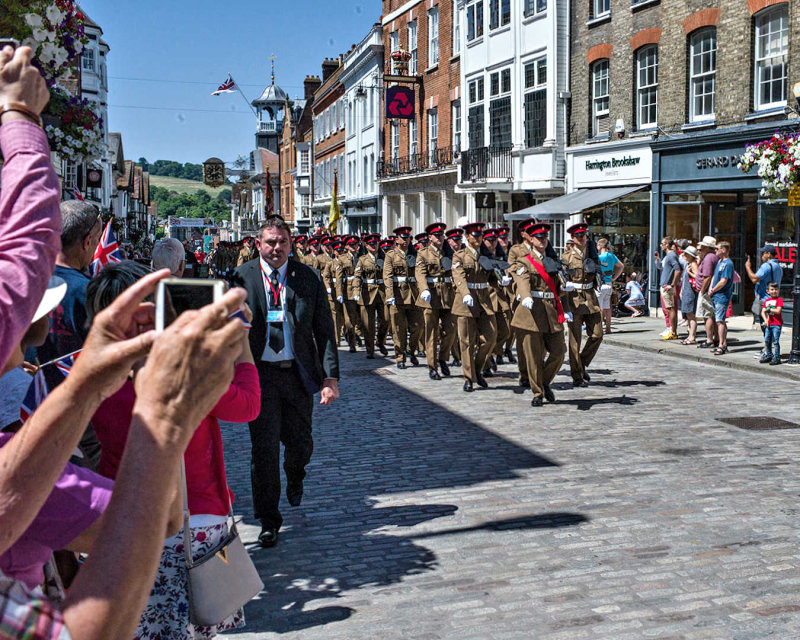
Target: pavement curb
point(717, 362)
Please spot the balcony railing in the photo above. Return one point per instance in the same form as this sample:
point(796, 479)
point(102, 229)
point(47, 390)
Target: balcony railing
point(484, 163)
point(440, 158)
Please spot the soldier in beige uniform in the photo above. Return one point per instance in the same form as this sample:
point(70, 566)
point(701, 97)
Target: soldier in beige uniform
point(334, 245)
point(540, 314)
point(515, 252)
point(398, 282)
point(506, 349)
point(500, 301)
point(368, 290)
point(313, 252)
point(455, 240)
point(436, 299)
point(581, 300)
point(344, 274)
point(472, 305)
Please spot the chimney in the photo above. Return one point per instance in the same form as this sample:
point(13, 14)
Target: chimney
point(329, 66)
point(310, 85)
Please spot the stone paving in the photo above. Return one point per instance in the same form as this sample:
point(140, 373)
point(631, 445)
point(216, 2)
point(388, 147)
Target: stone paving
point(624, 511)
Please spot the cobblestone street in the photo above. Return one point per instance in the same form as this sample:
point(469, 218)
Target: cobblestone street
point(625, 511)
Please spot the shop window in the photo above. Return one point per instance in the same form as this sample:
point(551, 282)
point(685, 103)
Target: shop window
point(600, 99)
point(474, 20)
point(771, 57)
point(702, 75)
point(647, 87)
point(533, 7)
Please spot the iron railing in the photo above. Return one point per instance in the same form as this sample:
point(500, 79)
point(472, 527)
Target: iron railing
point(484, 163)
point(439, 158)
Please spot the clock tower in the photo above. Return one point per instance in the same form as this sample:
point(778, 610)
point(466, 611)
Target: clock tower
point(270, 107)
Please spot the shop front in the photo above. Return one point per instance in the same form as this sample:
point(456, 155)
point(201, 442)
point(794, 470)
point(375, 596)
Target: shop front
point(699, 190)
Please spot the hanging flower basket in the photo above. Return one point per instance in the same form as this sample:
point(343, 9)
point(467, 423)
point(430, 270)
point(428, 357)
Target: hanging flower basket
point(56, 35)
point(778, 162)
point(74, 129)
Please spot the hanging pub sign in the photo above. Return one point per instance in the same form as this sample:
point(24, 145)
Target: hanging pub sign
point(400, 103)
point(94, 179)
point(214, 172)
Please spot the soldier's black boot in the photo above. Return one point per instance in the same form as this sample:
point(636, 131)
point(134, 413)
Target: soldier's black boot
point(384, 351)
point(492, 363)
point(548, 393)
point(580, 383)
point(445, 369)
point(468, 386)
point(401, 364)
point(499, 361)
point(482, 381)
point(433, 374)
point(456, 362)
point(536, 402)
point(510, 356)
point(524, 383)
point(487, 373)
point(586, 377)
point(414, 360)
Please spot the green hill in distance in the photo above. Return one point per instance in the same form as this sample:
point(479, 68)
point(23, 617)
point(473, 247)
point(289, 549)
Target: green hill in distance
point(180, 185)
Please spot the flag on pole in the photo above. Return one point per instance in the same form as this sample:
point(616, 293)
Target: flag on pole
point(269, 197)
point(37, 392)
point(65, 365)
point(335, 215)
point(229, 86)
point(77, 192)
point(107, 251)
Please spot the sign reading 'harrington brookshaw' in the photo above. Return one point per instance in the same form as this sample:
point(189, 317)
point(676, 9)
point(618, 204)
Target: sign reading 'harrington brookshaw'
point(602, 165)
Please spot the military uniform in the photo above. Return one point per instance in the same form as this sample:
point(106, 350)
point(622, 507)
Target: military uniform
point(477, 329)
point(368, 286)
point(541, 327)
point(440, 323)
point(329, 281)
point(398, 280)
point(515, 253)
point(344, 267)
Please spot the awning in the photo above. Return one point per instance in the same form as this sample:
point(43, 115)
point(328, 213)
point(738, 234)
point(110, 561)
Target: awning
point(565, 206)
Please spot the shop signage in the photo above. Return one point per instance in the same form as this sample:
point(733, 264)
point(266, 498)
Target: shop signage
point(612, 162)
point(794, 197)
point(787, 254)
point(400, 103)
point(485, 200)
point(718, 161)
point(187, 223)
point(620, 166)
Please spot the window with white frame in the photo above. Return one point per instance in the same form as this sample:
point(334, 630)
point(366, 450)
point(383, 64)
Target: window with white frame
point(456, 108)
point(500, 109)
point(600, 8)
point(412, 137)
point(433, 37)
point(600, 99)
point(499, 13)
point(412, 47)
point(647, 87)
point(475, 115)
point(474, 20)
point(535, 103)
point(395, 140)
point(433, 132)
point(394, 45)
point(532, 7)
point(702, 74)
point(304, 160)
point(771, 57)
point(88, 59)
point(365, 174)
point(456, 32)
point(371, 171)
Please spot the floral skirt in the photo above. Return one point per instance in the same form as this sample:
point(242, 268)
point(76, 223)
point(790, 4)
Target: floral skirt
point(166, 616)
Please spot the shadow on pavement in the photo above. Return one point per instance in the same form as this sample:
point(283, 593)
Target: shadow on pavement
point(381, 439)
point(587, 404)
point(539, 521)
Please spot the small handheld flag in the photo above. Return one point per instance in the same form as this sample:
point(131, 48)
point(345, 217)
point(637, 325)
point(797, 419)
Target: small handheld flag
point(107, 251)
point(229, 86)
point(240, 314)
point(37, 392)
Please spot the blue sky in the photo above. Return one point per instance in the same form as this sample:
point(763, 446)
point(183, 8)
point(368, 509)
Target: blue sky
point(167, 57)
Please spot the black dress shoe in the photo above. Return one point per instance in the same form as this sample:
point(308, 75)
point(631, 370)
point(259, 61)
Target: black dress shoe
point(456, 362)
point(384, 351)
point(468, 386)
point(433, 374)
point(580, 383)
point(414, 360)
point(510, 356)
point(586, 377)
point(445, 369)
point(482, 381)
point(294, 492)
point(401, 365)
point(548, 393)
point(537, 402)
point(352, 349)
point(524, 383)
point(499, 361)
point(370, 356)
point(492, 363)
point(268, 537)
point(487, 373)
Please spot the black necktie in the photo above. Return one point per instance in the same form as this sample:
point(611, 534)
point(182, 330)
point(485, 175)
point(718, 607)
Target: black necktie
point(275, 329)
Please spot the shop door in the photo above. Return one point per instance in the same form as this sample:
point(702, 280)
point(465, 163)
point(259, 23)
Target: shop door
point(737, 225)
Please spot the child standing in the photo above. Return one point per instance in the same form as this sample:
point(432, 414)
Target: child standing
point(772, 315)
point(635, 298)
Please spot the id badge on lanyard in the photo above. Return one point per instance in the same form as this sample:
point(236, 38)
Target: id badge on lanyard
point(274, 315)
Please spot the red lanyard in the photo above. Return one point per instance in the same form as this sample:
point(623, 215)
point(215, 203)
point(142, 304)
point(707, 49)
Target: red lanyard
point(276, 294)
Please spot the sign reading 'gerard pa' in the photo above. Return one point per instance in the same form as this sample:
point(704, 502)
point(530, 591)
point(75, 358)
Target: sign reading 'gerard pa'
point(400, 103)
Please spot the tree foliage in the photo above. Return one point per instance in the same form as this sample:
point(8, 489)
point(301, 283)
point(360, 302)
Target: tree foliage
point(185, 205)
point(172, 169)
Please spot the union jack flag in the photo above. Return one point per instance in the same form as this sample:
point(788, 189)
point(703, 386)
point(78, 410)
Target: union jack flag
point(65, 365)
point(77, 192)
point(229, 86)
point(107, 251)
point(37, 392)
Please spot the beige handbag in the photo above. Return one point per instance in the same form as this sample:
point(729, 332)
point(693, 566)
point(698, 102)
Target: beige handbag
point(223, 580)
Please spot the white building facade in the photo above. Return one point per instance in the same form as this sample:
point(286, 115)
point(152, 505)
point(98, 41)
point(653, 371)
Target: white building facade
point(515, 100)
point(360, 77)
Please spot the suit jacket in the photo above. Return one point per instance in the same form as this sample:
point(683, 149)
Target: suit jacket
point(308, 314)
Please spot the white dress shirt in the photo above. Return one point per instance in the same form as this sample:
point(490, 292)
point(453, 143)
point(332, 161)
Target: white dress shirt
point(287, 353)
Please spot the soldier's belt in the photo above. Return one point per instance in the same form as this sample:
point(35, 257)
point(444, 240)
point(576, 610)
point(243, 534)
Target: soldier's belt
point(403, 279)
point(477, 285)
point(435, 280)
point(373, 281)
point(349, 278)
point(542, 294)
point(584, 287)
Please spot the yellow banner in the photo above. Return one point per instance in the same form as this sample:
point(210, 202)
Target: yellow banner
point(794, 197)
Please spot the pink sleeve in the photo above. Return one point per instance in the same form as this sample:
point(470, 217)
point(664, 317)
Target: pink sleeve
point(242, 400)
point(30, 228)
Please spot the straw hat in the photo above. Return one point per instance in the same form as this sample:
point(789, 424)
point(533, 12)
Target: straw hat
point(691, 251)
point(708, 241)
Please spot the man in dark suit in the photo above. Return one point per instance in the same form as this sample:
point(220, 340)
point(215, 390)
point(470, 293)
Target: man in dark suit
point(294, 345)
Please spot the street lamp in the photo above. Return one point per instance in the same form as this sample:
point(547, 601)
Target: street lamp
point(794, 357)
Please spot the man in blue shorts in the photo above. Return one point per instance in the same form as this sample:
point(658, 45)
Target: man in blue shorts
point(721, 293)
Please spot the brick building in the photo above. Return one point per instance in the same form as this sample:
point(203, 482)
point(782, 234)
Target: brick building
point(328, 140)
point(666, 94)
point(418, 170)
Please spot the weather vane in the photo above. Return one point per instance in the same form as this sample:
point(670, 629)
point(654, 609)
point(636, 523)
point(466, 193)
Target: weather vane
point(272, 59)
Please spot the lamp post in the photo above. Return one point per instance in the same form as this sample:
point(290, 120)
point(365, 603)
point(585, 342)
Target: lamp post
point(794, 357)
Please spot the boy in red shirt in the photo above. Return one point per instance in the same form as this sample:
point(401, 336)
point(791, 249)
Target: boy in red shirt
point(772, 315)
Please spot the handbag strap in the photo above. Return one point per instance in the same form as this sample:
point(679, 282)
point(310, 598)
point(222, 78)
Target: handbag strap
point(187, 530)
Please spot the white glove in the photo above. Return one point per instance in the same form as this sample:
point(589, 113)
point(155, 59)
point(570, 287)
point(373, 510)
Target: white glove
point(356, 298)
point(340, 299)
point(570, 286)
point(425, 295)
point(328, 290)
point(528, 303)
point(605, 287)
point(568, 316)
point(390, 302)
point(506, 280)
point(468, 300)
